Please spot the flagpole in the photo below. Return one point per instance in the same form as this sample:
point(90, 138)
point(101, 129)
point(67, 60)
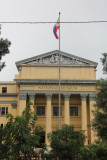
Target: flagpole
point(59, 80)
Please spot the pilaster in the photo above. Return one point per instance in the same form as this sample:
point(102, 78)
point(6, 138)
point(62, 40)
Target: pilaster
point(92, 103)
point(66, 109)
point(22, 102)
point(48, 116)
point(84, 115)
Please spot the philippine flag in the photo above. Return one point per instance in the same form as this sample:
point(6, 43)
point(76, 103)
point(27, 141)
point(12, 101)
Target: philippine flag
point(55, 28)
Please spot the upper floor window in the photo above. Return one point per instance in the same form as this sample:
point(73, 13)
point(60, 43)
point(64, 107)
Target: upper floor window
point(40, 110)
point(56, 111)
point(3, 111)
point(4, 89)
point(73, 111)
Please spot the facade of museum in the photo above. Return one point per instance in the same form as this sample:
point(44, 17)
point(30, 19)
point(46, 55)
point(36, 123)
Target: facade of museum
point(38, 81)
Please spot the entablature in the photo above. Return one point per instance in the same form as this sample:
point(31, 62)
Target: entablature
point(53, 82)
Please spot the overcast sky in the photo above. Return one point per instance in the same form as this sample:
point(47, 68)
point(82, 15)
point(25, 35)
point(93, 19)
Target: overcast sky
point(84, 40)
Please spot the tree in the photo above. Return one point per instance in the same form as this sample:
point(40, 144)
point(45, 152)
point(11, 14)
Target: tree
point(96, 151)
point(4, 49)
point(100, 114)
point(104, 63)
point(21, 136)
point(66, 143)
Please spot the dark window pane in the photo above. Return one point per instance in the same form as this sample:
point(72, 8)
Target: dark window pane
point(6, 110)
point(4, 89)
point(56, 111)
point(3, 111)
point(73, 111)
point(40, 110)
point(1, 125)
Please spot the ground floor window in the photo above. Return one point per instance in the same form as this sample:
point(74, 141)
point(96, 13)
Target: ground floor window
point(73, 111)
point(56, 111)
point(40, 111)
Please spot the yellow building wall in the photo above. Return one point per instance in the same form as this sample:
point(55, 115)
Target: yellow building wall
point(67, 72)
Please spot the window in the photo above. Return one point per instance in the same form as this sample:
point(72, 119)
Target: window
point(3, 111)
point(41, 110)
point(4, 89)
point(1, 125)
point(73, 111)
point(6, 110)
point(56, 111)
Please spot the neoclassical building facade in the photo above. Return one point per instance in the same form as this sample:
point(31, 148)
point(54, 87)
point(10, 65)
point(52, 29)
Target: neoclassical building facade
point(38, 81)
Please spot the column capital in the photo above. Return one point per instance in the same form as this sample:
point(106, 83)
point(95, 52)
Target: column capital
point(48, 96)
point(66, 96)
point(92, 97)
point(83, 97)
point(31, 96)
point(22, 96)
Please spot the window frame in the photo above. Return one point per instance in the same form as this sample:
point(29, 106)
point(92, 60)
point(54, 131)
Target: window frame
point(4, 89)
point(58, 111)
point(74, 114)
point(3, 111)
point(38, 107)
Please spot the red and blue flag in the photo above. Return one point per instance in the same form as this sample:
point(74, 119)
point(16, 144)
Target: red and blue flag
point(55, 28)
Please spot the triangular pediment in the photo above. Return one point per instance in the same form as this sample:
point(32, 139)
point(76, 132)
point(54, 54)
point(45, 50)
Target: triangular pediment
point(53, 58)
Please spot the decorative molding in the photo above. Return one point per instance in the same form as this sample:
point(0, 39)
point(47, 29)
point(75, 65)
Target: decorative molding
point(22, 96)
point(14, 105)
point(7, 102)
point(66, 96)
point(92, 97)
point(83, 97)
point(48, 96)
point(7, 83)
point(55, 92)
point(52, 82)
point(31, 96)
point(8, 94)
point(53, 58)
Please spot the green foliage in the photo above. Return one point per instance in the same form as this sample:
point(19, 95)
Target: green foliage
point(21, 135)
point(100, 114)
point(66, 143)
point(97, 151)
point(104, 63)
point(4, 49)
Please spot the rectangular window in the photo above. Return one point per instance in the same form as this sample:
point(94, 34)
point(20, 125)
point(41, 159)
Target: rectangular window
point(73, 111)
point(1, 125)
point(41, 110)
point(56, 111)
point(4, 89)
point(6, 110)
point(3, 111)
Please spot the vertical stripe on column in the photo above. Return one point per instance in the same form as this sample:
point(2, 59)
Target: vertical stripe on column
point(48, 116)
point(84, 116)
point(66, 109)
point(22, 102)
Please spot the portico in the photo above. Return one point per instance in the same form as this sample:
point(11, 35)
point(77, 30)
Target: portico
point(37, 82)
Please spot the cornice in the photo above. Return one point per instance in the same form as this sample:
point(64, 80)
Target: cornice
point(56, 92)
point(53, 82)
point(8, 94)
point(6, 83)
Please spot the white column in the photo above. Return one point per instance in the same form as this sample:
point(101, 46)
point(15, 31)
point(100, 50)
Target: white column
point(84, 116)
point(22, 102)
point(31, 99)
point(48, 116)
point(66, 109)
